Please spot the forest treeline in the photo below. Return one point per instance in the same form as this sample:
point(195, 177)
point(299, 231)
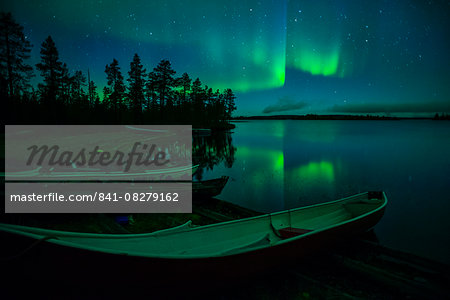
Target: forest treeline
point(64, 97)
point(441, 117)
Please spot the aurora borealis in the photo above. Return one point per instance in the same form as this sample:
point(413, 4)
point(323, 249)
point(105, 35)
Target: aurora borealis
point(317, 57)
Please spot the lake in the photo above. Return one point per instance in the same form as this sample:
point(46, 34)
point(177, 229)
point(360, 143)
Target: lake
point(285, 164)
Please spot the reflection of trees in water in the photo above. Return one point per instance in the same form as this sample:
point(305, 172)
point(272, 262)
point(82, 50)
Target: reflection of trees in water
point(209, 151)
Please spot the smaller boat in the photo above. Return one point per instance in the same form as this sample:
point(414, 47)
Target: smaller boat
point(209, 188)
point(88, 174)
point(201, 131)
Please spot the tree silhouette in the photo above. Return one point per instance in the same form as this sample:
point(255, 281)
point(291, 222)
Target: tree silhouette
point(197, 95)
point(14, 49)
point(66, 83)
point(78, 82)
point(80, 98)
point(164, 80)
point(185, 83)
point(94, 99)
point(230, 105)
point(116, 89)
point(62, 97)
point(150, 92)
point(136, 89)
point(51, 70)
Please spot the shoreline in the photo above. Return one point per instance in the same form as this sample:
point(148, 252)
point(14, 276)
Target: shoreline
point(329, 117)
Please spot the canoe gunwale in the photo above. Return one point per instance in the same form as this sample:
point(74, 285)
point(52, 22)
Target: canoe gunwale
point(35, 172)
point(35, 232)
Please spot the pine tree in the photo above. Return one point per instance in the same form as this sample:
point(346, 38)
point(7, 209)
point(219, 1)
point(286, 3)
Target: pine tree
point(185, 83)
point(14, 50)
point(78, 82)
point(78, 95)
point(92, 91)
point(106, 92)
point(164, 77)
point(136, 89)
point(51, 70)
point(150, 91)
point(66, 83)
point(230, 105)
point(197, 96)
point(116, 87)
point(209, 95)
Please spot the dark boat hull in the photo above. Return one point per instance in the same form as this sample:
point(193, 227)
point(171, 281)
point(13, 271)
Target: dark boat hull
point(208, 188)
point(41, 260)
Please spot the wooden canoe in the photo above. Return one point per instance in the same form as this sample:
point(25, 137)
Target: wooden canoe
point(225, 248)
point(208, 188)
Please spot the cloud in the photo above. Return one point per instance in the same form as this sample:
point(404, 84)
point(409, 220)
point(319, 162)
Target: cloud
point(284, 104)
point(367, 108)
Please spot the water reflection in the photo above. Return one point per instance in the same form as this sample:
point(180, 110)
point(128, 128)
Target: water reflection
point(316, 172)
point(212, 150)
point(274, 166)
point(277, 165)
point(309, 183)
point(258, 177)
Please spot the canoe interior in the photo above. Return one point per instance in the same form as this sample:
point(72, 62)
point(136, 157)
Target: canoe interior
point(218, 239)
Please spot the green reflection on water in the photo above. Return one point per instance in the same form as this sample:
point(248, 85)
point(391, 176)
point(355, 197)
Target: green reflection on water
point(269, 159)
point(260, 173)
point(316, 171)
point(279, 161)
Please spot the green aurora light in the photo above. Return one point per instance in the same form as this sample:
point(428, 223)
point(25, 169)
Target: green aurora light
point(316, 63)
point(316, 54)
point(323, 54)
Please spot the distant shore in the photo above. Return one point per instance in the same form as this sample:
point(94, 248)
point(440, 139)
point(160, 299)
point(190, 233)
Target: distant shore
point(329, 117)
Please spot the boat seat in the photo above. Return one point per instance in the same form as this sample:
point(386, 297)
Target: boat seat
point(289, 232)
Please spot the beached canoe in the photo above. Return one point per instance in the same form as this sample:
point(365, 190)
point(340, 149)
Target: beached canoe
point(208, 188)
point(225, 248)
point(201, 132)
point(69, 173)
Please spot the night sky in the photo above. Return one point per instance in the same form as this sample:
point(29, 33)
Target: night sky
point(280, 57)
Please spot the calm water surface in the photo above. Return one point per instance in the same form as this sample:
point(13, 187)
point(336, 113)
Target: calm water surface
point(286, 164)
